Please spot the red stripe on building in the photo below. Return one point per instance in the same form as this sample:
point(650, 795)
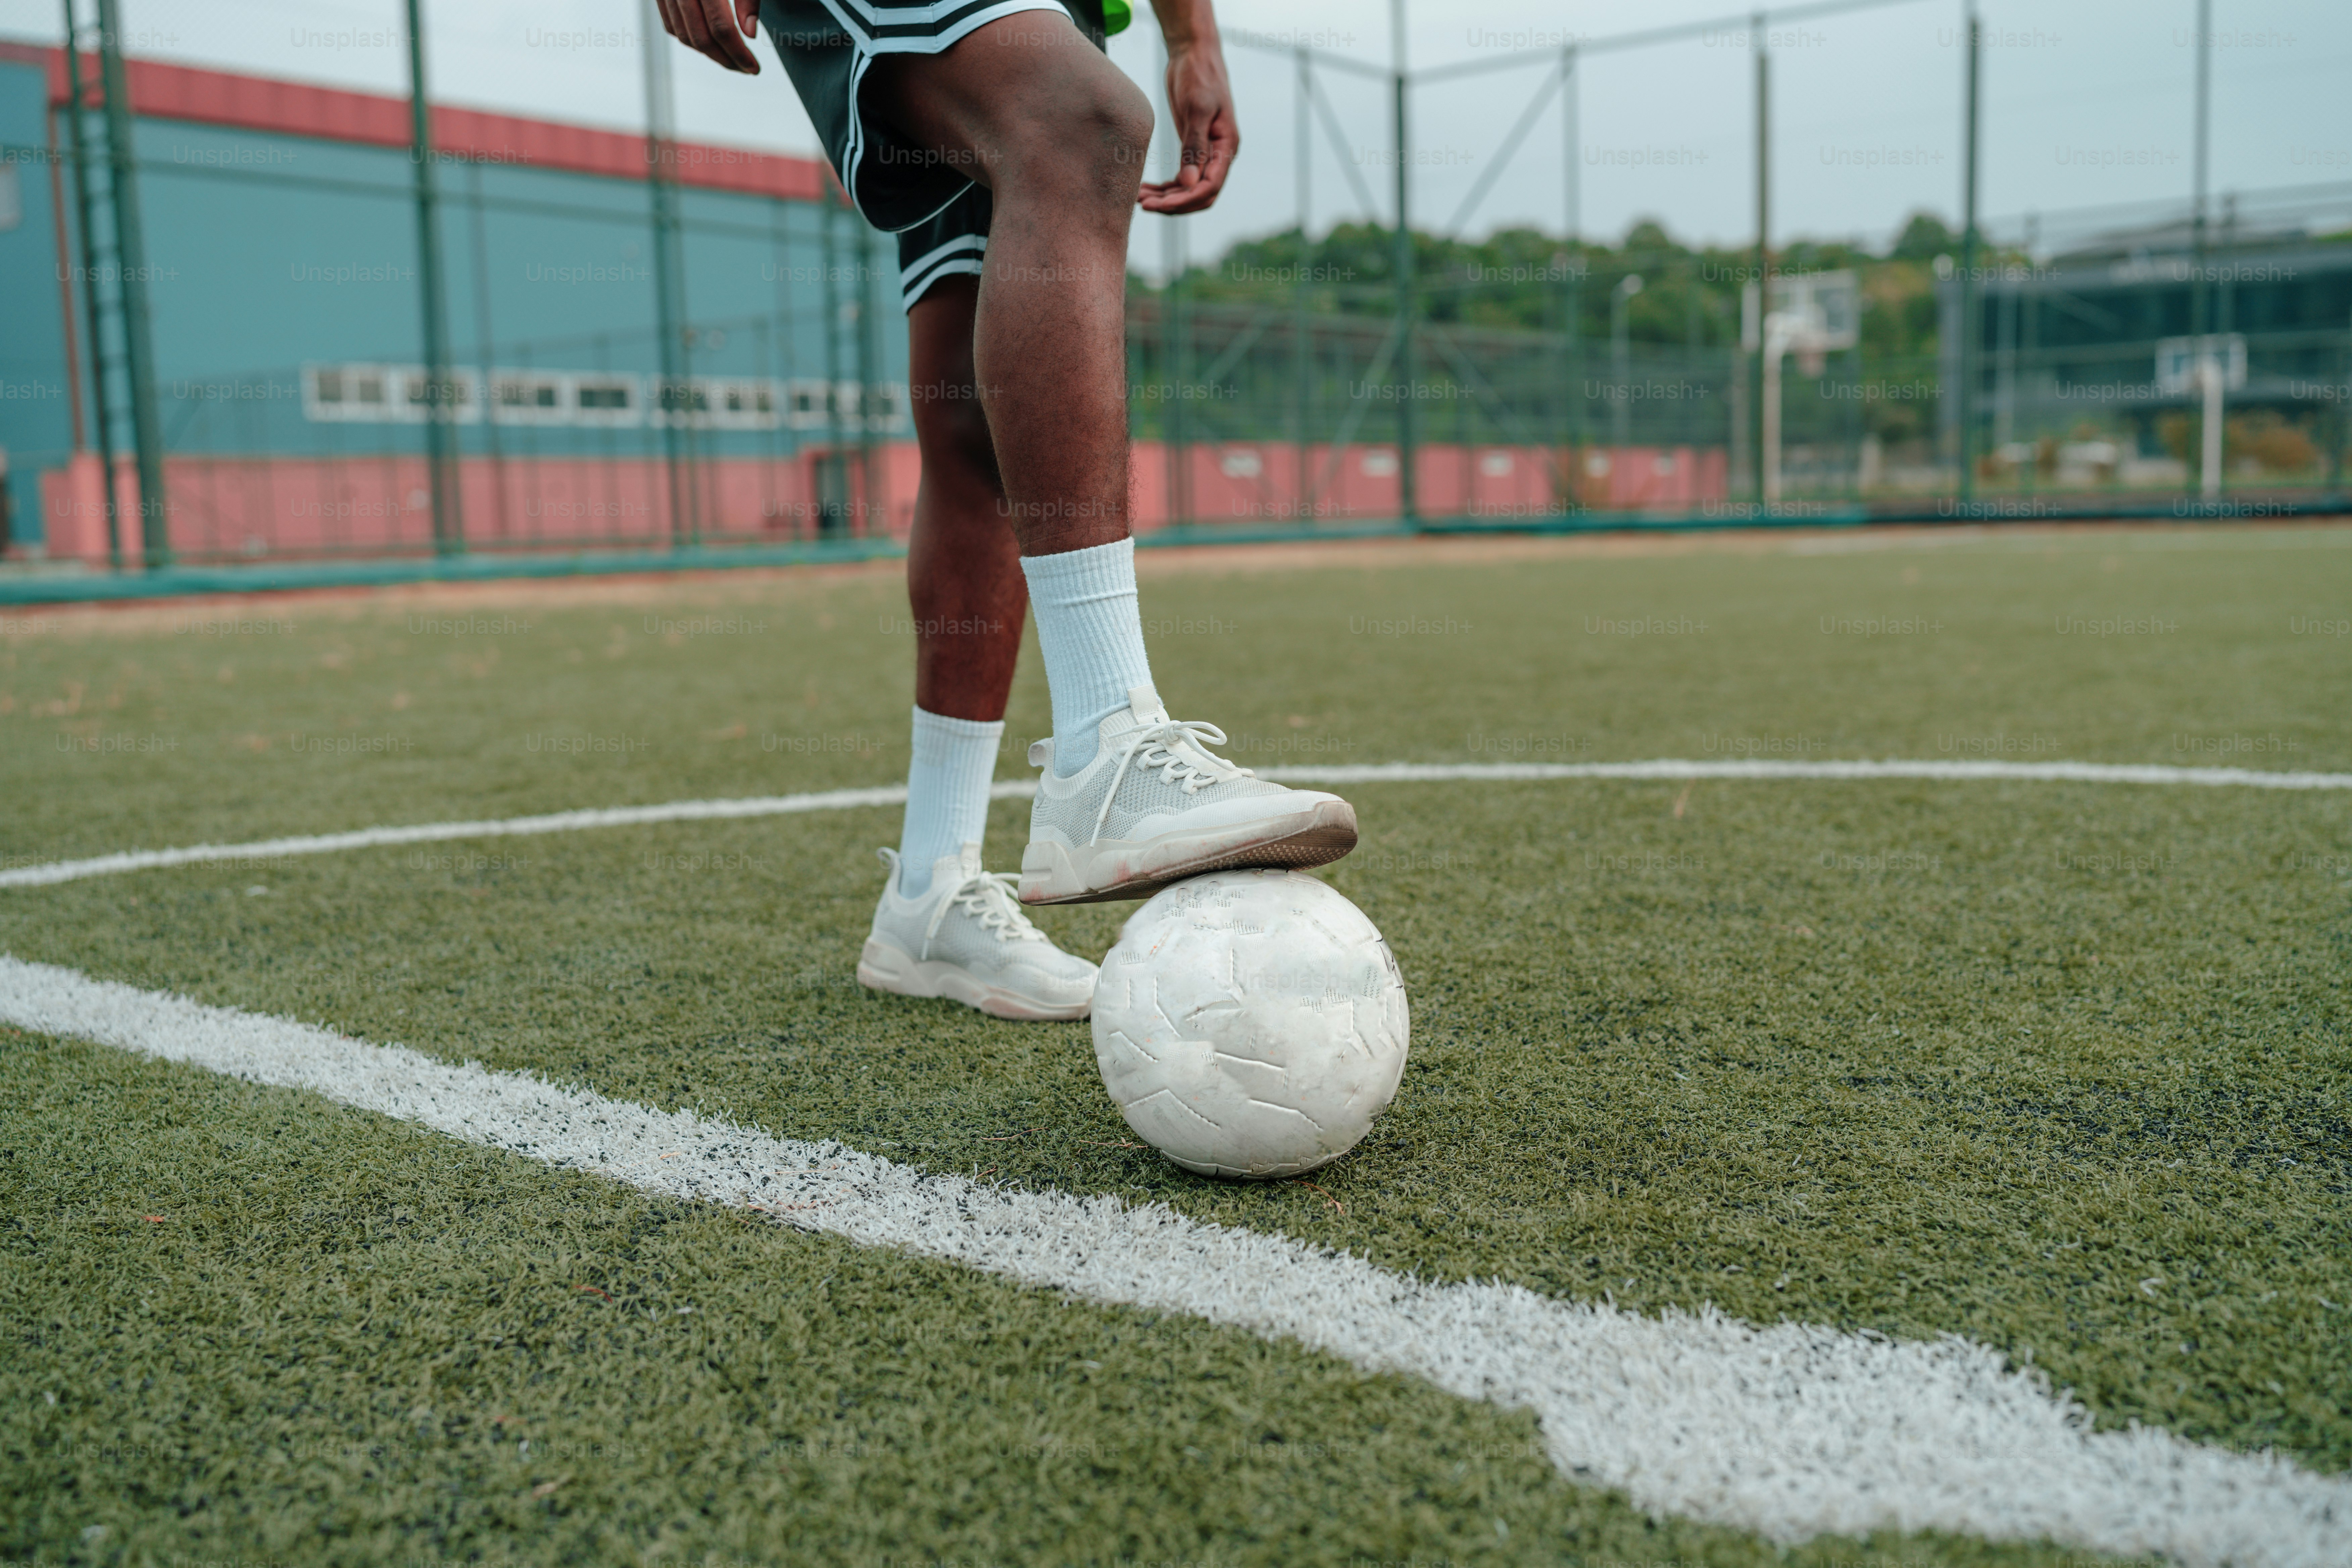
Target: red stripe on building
point(164, 91)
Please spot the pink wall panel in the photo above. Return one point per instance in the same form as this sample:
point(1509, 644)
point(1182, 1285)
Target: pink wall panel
point(276, 507)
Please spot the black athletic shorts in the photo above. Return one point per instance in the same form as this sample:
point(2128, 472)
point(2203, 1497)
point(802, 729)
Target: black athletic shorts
point(940, 215)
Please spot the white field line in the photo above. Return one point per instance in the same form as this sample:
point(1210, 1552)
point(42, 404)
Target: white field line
point(434, 832)
point(55, 871)
point(1789, 1431)
point(1770, 768)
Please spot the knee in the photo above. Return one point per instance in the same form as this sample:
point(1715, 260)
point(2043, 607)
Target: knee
point(952, 432)
point(1089, 143)
point(1116, 118)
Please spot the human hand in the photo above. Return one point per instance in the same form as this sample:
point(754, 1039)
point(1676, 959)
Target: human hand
point(717, 29)
point(1201, 104)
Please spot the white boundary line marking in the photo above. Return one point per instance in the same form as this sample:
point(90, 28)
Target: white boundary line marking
point(1789, 1431)
point(56, 871)
point(1770, 768)
point(434, 832)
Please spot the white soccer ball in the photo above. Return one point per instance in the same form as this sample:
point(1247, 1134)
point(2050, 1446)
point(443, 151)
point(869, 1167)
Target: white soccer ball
point(1250, 1024)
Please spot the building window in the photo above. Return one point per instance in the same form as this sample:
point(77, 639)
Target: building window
point(529, 397)
point(338, 393)
point(402, 393)
point(887, 406)
point(747, 404)
point(606, 400)
point(722, 403)
point(680, 402)
point(456, 394)
point(804, 406)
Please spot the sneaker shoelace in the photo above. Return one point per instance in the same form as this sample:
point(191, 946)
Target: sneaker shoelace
point(990, 898)
point(1154, 745)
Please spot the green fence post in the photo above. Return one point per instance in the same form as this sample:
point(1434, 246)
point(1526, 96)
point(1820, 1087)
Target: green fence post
point(1408, 500)
point(94, 309)
point(131, 276)
point(440, 399)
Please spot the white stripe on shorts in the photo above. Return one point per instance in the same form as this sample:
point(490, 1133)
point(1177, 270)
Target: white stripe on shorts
point(961, 254)
point(942, 23)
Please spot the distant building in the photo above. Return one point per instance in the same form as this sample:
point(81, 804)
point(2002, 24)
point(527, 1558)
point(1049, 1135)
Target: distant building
point(279, 227)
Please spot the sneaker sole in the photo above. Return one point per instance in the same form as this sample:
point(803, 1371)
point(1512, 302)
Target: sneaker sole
point(882, 967)
point(1050, 875)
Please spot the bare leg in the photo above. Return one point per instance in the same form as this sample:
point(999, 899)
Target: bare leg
point(1057, 135)
point(964, 566)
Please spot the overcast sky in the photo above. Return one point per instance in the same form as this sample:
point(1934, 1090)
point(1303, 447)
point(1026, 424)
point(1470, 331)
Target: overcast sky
point(2086, 101)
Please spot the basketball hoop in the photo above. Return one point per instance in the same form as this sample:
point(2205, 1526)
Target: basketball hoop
point(1810, 314)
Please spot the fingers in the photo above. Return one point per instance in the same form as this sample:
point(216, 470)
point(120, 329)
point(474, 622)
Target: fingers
point(688, 24)
point(728, 33)
point(1217, 158)
point(1208, 158)
point(1173, 197)
point(1168, 201)
point(1201, 104)
point(712, 28)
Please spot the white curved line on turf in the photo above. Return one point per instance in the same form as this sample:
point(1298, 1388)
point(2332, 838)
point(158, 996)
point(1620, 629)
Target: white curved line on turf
point(1789, 1431)
point(56, 871)
point(1770, 768)
point(434, 832)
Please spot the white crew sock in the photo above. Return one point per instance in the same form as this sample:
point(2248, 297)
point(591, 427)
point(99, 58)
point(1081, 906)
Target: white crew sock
point(949, 767)
point(1092, 636)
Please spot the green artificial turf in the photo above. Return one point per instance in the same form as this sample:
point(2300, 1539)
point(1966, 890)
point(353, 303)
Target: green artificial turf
point(2057, 1066)
point(246, 1326)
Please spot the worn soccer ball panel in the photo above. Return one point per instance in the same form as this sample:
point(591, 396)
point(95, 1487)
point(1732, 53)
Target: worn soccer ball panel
point(1250, 1024)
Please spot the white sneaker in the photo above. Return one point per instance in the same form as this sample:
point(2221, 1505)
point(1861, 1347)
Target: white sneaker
point(968, 940)
point(1156, 807)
